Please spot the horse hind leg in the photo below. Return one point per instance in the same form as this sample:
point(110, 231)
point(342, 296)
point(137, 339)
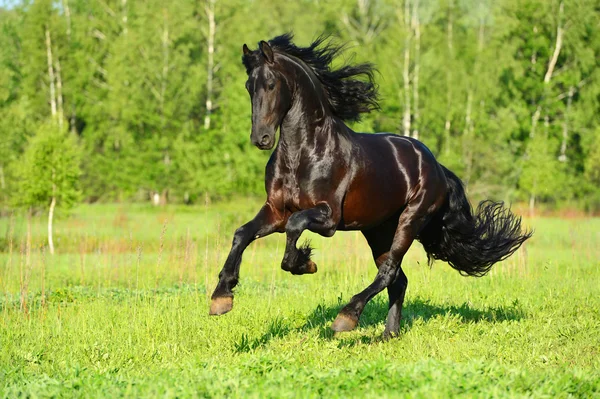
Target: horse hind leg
point(380, 240)
point(389, 275)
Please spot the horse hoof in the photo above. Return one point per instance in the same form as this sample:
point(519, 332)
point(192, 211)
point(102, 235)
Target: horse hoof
point(344, 323)
point(220, 305)
point(311, 267)
point(388, 335)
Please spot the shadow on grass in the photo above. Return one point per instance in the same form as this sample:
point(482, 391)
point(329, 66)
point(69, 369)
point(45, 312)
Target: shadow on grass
point(375, 313)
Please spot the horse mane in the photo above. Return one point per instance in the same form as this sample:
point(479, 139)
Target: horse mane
point(350, 89)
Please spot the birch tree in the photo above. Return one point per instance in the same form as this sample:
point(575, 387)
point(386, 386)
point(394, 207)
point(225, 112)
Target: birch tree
point(210, 62)
point(539, 170)
point(416, 27)
point(48, 174)
point(449, 75)
point(405, 19)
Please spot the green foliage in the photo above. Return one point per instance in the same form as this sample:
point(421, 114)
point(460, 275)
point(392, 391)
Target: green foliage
point(541, 176)
point(121, 320)
point(134, 83)
point(48, 168)
point(592, 165)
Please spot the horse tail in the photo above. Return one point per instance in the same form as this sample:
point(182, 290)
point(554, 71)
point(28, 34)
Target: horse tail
point(471, 242)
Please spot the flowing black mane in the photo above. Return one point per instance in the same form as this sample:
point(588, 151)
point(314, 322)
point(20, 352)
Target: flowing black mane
point(348, 96)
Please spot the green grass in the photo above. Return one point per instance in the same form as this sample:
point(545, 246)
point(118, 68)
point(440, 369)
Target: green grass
point(122, 310)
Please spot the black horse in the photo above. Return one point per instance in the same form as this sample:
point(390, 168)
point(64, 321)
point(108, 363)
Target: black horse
point(324, 177)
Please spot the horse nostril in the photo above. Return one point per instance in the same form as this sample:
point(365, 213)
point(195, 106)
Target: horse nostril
point(265, 140)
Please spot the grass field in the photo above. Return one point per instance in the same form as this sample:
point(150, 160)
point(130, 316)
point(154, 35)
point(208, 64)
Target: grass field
point(122, 310)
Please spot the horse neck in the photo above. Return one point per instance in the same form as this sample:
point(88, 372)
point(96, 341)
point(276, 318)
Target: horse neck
point(309, 121)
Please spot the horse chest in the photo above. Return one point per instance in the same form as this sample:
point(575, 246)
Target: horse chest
point(297, 191)
point(304, 181)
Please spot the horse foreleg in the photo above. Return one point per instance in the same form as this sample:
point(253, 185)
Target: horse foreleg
point(267, 221)
point(319, 220)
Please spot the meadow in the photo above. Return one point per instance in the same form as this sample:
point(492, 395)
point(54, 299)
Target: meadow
point(122, 310)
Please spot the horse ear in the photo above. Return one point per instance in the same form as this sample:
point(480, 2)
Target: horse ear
point(245, 49)
point(267, 51)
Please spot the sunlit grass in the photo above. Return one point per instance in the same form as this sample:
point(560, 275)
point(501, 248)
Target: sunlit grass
point(122, 309)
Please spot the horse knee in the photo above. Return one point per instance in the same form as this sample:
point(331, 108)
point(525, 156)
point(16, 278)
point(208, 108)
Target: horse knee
point(240, 236)
point(295, 224)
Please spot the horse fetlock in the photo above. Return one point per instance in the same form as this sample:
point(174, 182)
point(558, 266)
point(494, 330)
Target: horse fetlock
point(288, 262)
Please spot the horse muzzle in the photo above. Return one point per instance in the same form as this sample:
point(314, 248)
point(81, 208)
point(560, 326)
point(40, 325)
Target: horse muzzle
point(263, 140)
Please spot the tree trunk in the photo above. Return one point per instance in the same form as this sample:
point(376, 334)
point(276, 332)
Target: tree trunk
point(417, 32)
point(534, 121)
point(2, 181)
point(210, 13)
point(532, 204)
point(65, 5)
point(73, 116)
point(406, 70)
point(468, 134)
point(558, 45)
point(547, 77)
point(165, 68)
point(25, 271)
point(59, 96)
point(50, 73)
point(124, 18)
point(467, 140)
point(551, 65)
point(565, 139)
point(50, 218)
point(448, 123)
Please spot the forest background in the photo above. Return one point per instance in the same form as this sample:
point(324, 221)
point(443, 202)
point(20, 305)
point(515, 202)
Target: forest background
point(123, 101)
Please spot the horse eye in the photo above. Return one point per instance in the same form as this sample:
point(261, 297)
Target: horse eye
point(248, 85)
point(271, 85)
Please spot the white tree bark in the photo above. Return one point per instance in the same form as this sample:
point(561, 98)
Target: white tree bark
point(59, 95)
point(469, 123)
point(551, 65)
point(449, 37)
point(547, 77)
point(210, 13)
point(124, 17)
point(51, 214)
point(366, 26)
point(65, 5)
point(50, 218)
point(417, 33)
point(557, 46)
point(565, 139)
point(2, 181)
point(51, 73)
point(165, 67)
point(73, 116)
point(406, 69)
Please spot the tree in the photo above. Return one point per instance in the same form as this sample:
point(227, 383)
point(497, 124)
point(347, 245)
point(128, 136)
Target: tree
point(48, 173)
point(482, 83)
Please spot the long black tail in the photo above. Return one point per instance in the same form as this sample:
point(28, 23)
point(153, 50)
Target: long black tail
point(471, 243)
